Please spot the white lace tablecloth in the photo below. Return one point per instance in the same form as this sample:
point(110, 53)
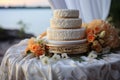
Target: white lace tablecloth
point(17, 67)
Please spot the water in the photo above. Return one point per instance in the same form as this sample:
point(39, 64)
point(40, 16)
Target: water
point(37, 20)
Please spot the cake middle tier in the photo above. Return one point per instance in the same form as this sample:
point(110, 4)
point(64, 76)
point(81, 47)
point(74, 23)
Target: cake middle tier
point(65, 34)
point(65, 23)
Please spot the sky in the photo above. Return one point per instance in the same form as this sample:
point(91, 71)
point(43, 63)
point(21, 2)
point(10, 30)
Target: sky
point(7, 3)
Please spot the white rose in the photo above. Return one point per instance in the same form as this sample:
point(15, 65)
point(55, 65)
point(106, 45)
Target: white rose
point(92, 55)
point(56, 57)
point(45, 60)
point(42, 56)
point(64, 55)
point(102, 34)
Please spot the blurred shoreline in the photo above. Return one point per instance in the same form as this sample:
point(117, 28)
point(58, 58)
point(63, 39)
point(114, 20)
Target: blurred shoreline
point(24, 7)
point(36, 19)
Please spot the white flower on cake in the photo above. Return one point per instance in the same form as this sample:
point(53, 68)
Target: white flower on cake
point(64, 56)
point(102, 34)
point(55, 57)
point(45, 60)
point(92, 55)
point(42, 56)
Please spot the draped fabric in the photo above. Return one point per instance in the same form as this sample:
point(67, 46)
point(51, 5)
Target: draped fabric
point(89, 9)
point(17, 66)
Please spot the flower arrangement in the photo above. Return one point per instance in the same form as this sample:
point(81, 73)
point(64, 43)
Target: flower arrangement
point(100, 35)
point(37, 47)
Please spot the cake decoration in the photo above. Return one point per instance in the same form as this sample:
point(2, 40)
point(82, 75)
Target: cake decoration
point(69, 49)
point(101, 34)
point(36, 47)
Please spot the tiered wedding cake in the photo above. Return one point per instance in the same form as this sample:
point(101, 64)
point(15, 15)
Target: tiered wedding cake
point(65, 32)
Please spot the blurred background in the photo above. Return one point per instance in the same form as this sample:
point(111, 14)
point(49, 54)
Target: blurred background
point(21, 19)
point(32, 15)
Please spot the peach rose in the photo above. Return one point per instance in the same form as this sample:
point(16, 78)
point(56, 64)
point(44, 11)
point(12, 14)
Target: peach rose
point(90, 37)
point(36, 48)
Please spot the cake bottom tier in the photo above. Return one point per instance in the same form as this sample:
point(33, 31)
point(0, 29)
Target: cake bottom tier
point(69, 49)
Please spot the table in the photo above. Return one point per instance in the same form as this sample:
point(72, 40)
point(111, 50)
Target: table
point(15, 66)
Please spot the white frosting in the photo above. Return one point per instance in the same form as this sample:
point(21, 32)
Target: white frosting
point(65, 34)
point(65, 13)
point(66, 42)
point(65, 23)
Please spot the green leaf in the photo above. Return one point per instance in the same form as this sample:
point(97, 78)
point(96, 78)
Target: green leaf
point(28, 52)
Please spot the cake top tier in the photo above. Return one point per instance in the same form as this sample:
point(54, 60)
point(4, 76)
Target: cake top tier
point(65, 13)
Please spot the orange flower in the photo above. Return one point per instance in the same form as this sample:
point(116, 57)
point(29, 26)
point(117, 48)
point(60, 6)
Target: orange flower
point(97, 29)
point(36, 48)
point(30, 43)
point(90, 34)
point(89, 31)
point(39, 52)
point(90, 37)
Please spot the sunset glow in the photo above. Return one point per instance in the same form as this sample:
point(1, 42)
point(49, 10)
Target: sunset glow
point(24, 3)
